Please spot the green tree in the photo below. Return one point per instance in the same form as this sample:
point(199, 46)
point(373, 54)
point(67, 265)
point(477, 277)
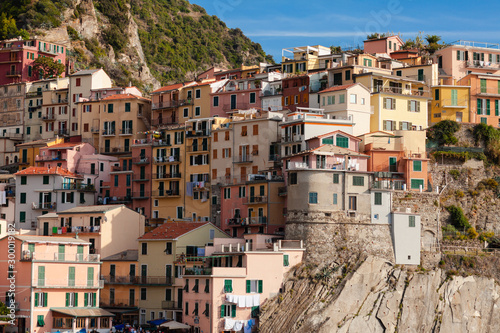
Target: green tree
point(4, 311)
point(458, 218)
point(433, 43)
point(443, 133)
point(336, 49)
point(8, 27)
point(48, 67)
point(375, 35)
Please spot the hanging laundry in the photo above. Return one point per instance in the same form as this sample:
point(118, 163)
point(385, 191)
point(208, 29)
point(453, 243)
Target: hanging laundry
point(189, 189)
point(228, 324)
point(238, 325)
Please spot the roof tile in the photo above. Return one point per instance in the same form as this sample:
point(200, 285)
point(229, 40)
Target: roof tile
point(173, 230)
point(47, 171)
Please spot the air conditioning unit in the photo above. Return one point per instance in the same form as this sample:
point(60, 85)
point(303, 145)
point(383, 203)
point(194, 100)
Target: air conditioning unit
point(408, 210)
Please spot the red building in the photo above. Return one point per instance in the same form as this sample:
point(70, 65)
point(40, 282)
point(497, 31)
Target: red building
point(295, 92)
point(17, 57)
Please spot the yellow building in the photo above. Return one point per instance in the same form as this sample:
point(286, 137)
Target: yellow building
point(305, 58)
point(29, 150)
point(120, 294)
point(449, 103)
point(398, 103)
point(162, 255)
point(348, 68)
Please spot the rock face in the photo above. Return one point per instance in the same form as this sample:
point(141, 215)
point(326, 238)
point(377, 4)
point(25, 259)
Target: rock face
point(379, 297)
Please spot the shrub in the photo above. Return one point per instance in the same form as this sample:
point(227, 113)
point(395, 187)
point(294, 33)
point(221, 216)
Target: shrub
point(459, 193)
point(458, 218)
point(72, 33)
point(443, 133)
point(454, 173)
point(472, 233)
point(485, 134)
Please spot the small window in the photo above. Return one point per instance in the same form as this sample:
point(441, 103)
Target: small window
point(144, 248)
point(378, 198)
point(45, 180)
point(335, 198)
point(127, 107)
point(292, 178)
point(252, 98)
point(228, 286)
point(335, 178)
point(358, 181)
point(353, 98)
point(286, 260)
point(313, 197)
point(197, 93)
point(216, 101)
point(417, 165)
point(411, 221)
point(168, 248)
point(197, 111)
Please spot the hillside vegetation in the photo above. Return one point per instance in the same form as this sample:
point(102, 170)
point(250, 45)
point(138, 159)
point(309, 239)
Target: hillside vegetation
point(178, 39)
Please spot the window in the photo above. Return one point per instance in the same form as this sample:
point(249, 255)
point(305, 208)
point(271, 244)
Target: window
point(342, 141)
point(416, 183)
point(168, 249)
point(411, 221)
point(335, 199)
point(207, 310)
point(255, 130)
point(399, 73)
point(436, 94)
point(417, 165)
point(127, 107)
point(252, 98)
point(110, 108)
point(378, 198)
point(144, 248)
point(227, 193)
point(286, 260)
point(22, 198)
point(143, 294)
point(313, 197)
point(358, 181)
point(353, 203)
point(197, 93)
point(413, 106)
point(89, 299)
point(292, 178)
point(228, 286)
point(216, 101)
point(78, 82)
point(243, 131)
point(22, 217)
point(389, 103)
point(390, 125)
point(254, 286)
point(197, 111)
point(347, 75)
point(242, 191)
point(72, 299)
point(41, 300)
point(227, 310)
point(335, 178)
point(341, 98)
point(40, 321)
point(286, 101)
point(45, 180)
point(353, 98)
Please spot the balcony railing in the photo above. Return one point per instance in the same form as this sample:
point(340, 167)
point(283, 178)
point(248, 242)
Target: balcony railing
point(401, 91)
point(486, 91)
point(12, 136)
point(274, 157)
point(166, 175)
point(388, 185)
point(161, 143)
point(118, 303)
point(45, 205)
point(236, 106)
point(169, 305)
point(13, 73)
point(198, 271)
point(61, 157)
point(138, 177)
point(140, 195)
point(115, 150)
point(126, 131)
point(165, 193)
point(256, 199)
point(35, 256)
point(247, 221)
point(108, 132)
point(34, 94)
point(59, 100)
point(167, 159)
point(194, 134)
point(24, 161)
point(140, 160)
point(123, 279)
point(77, 186)
point(483, 64)
point(231, 180)
point(66, 283)
point(197, 148)
point(62, 132)
point(164, 121)
point(171, 104)
point(155, 280)
point(243, 159)
point(49, 117)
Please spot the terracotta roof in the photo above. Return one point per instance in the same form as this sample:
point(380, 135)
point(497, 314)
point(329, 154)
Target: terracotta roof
point(35, 143)
point(333, 132)
point(172, 87)
point(337, 88)
point(64, 145)
point(123, 96)
point(47, 171)
point(173, 230)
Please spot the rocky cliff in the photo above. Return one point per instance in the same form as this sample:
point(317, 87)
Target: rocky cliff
point(372, 295)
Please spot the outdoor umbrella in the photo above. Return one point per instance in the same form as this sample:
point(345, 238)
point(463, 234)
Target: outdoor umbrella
point(175, 325)
point(157, 321)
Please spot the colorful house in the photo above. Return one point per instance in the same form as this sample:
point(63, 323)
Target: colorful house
point(237, 94)
point(225, 288)
point(385, 45)
point(29, 150)
point(57, 285)
point(295, 92)
point(303, 59)
point(484, 98)
point(163, 253)
point(450, 103)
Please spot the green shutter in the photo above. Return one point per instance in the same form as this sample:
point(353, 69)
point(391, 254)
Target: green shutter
point(90, 276)
point(286, 260)
point(36, 299)
point(45, 299)
point(479, 106)
point(417, 165)
point(40, 321)
point(496, 107)
point(260, 286)
point(378, 198)
point(94, 299)
point(76, 299)
point(498, 84)
point(488, 107)
point(67, 299)
point(454, 98)
point(222, 311)
point(41, 276)
point(71, 277)
point(86, 299)
point(233, 310)
point(483, 85)
point(249, 286)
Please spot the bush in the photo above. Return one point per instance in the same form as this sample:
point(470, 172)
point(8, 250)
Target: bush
point(459, 193)
point(472, 233)
point(72, 33)
point(485, 134)
point(458, 218)
point(490, 184)
point(443, 133)
point(454, 173)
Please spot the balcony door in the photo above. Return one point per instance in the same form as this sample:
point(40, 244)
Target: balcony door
point(233, 102)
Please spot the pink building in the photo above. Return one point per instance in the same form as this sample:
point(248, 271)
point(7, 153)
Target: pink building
point(17, 57)
point(238, 94)
point(386, 45)
point(239, 275)
point(66, 155)
point(57, 285)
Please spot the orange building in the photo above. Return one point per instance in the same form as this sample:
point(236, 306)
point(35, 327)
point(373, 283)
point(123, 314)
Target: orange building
point(484, 98)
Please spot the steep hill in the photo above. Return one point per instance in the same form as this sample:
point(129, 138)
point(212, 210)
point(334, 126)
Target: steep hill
point(146, 42)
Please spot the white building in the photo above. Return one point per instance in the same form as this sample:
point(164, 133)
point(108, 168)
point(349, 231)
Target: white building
point(406, 238)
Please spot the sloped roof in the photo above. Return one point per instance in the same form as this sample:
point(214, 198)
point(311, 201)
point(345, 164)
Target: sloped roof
point(90, 209)
point(328, 148)
point(333, 132)
point(173, 230)
point(50, 239)
point(47, 171)
point(337, 88)
point(65, 145)
point(173, 87)
point(85, 72)
point(123, 96)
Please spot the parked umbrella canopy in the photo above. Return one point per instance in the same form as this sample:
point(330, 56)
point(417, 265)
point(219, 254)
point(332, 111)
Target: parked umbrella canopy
point(175, 325)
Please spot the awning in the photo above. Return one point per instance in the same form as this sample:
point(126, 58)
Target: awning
point(83, 312)
point(157, 322)
point(124, 310)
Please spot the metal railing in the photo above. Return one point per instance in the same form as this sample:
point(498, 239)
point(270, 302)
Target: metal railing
point(197, 148)
point(121, 279)
point(486, 91)
point(66, 283)
point(59, 100)
point(167, 305)
point(483, 64)
point(155, 280)
point(126, 131)
point(236, 106)
point(198, 271)
point(45, 205)
point(118, 303)
point(166, 175)
point(13, 73)
point(62, 132)
point(401, 91)
point(198, 133)
point(258, 199)
point(167, 159)
point(138, 177)
point(388, 185)
point(49, 117)
point(243, 159)
point(140, 195)
point(79, 257)
point(171, 104)
point(108, 132)
point(164, 121)
point(140, 160)
point(165, 193)
point(51, 157)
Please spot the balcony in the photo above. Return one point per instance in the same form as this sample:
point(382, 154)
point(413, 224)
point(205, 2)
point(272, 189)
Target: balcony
point(388, 185)
point(417, 77)
point(401, 91)
point(198, 148)
point(140, 195)
point(166, 194)
point(61, 257)
point(198, 271)
point(166, 175)
point(115, 150)
point(125, 279)
point(13, 73)
point(155, 280)
point(49, 117)
point(44, 205)
point(255, 200)
point(274, 158)
point(164, 121)
point(454, 103)
point(43, 158)
point(61, 132)
point(119, 303)
point(235, 106)
point(171, 104)
point(167, 159)
point(141, 178)
point(34, 108)
point(199, 133)
point(65, 283)
point(126, 131)
point(59, 100)
point(238, 222)
point(282, 191)
point(228, 180)
point(486, 91)
point(12, 136)
point(243, 159)
point(108, 132)
point(482, 64)
point(140, 160)
point(34, 94)
point(293, 138)
point(170, 305)
point(24, 161)
point(95, 130)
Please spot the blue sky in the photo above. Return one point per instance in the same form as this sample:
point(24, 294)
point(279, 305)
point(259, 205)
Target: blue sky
point(287, 23)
